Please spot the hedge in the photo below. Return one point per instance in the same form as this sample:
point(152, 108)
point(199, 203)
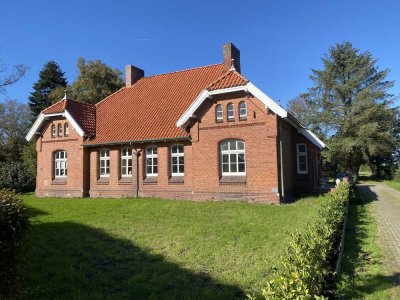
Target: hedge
point(13, 222)
point(13, 175)
point(310, 258)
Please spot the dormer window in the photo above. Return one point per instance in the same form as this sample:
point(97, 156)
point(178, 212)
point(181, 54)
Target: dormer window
point(218, 113)
point(53, 130)
point(59, 130)
point(66, 130)
point(242, 110)
point(231, 112)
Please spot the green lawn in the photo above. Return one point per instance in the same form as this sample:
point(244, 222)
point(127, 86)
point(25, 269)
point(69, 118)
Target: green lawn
point(393, 184)
point(149, 248)
point(364, 275)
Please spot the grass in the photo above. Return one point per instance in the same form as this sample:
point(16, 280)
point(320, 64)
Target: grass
point(149, 248)
point(364, 274)
point(393, 184)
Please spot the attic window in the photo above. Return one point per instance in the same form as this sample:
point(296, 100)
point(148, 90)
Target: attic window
point(302, 161)
point(53, 130)
point(218, 112)
point(231, 111)
point(59, 130)
point(66, 130)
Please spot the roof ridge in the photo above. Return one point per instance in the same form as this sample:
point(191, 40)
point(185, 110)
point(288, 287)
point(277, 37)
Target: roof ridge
point(184, 70)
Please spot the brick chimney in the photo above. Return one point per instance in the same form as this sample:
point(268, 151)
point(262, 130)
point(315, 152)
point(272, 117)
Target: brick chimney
point(132, 74)
point(231, 52)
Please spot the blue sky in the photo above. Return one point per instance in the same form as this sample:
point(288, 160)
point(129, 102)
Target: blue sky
point(280, 41)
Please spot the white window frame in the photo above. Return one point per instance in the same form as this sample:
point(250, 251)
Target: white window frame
point(230, 152)
point(219, 110)
point(59, 130)
point(53, 130)
point(60, 164)
point(66, 129)
point(230, 105)
point(298, 155)
point(126, 156)
point(244, 115)
point(152, 156)
point(104, 157)
point(177, 155)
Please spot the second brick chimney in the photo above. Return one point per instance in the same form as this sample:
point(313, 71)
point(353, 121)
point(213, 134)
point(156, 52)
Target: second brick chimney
point(231, 55)
point(132, 74)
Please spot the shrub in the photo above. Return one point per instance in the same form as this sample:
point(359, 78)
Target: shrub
point(307, 262)
point(13, 222)
point(14, 176)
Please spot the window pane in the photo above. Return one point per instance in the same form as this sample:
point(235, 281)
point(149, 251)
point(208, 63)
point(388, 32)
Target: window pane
point(233, 158)
point(302, 167)
point(233, 167)
point(123, 163)
point(181, 160)
point(129, 170)
point(148, 170)
point(302, 159)
point(224, 146)
point(181, 169)
point(241, 158)
point(155, 169)
point(225, 158)
point(225, 168)
point(149, 150)
point(240, 145)
point(241, 167)
point(232, 145)
point(154, 150)
point(174, 169)
point(148, 161)
point(174, 149)
point(174, 160)
point(123, 170)
point(180, 148)
point(302, 148)
point(155, 161)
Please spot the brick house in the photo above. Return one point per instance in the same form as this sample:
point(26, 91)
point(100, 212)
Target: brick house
point(202, 133)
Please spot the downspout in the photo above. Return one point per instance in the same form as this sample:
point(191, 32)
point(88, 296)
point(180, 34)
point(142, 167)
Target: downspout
point(281, 157)
point(137, 154)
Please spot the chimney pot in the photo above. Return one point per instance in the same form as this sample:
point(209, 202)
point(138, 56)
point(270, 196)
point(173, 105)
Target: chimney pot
point(132, 74)
point(231, 57)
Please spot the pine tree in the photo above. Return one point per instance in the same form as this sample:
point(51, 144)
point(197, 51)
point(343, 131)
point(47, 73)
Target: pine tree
point(51, 77)
point(352, 108)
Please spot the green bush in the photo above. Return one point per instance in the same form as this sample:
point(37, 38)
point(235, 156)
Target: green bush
point(307, 262)
point(13, 222)
point(13, 175)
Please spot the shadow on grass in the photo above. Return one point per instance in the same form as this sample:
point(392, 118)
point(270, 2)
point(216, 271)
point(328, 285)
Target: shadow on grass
point(73, 261)
point(356, 281)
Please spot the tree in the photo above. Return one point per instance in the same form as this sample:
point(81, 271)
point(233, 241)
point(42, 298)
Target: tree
point(351, 107)
point(95, 81)
point(16, 74)
point(14, 125)
point(51, 77)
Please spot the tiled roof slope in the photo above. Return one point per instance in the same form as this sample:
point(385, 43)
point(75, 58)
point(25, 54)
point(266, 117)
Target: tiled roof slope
point(83, 113)
point(149, 109)
point(228, 80)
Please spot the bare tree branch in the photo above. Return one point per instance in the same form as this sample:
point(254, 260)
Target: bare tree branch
point(16, 74)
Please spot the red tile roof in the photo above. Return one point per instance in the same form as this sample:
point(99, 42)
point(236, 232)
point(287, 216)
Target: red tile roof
point(228, 80)
point(149, 109)
point(83, 113)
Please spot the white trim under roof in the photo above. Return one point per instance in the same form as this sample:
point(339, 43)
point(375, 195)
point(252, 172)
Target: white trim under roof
point(256, 92)
point(42, 117)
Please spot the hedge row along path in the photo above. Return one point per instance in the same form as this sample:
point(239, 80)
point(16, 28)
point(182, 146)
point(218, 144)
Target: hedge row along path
point(386, 210)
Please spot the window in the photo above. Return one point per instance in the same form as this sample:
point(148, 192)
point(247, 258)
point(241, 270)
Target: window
point(53, 130)
point(126, 162)
point(66, 130)
point(59, 130)
point(218, 113)
point(302, 165)
point(151, 161)
point(242, 110)
point(231, 111)
point(104, 163)
point(60, 164)
point(233, 158)
point(177, 160)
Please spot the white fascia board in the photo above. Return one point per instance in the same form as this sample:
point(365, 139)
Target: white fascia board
point(312, 138)
point(228, 90)
point(192, 108)
point(42, 117)
point(268, 102)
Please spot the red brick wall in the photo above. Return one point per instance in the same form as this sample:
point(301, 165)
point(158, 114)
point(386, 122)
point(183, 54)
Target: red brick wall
point(74, 185)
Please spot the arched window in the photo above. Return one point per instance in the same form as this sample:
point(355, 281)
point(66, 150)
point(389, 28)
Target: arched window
point(59, 130)
point(126, 162)
point(231, 111)
point(66, 129)
point(177, 160)
point(233, 158)
point(60, 164)
point(218, 112)
point(104, 163)
point(242, 109)
point(53, 130)
point(151, 161)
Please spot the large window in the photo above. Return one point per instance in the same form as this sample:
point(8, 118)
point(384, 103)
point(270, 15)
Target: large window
point(302, 164)
point(151, 161)
point(126, 162)
point(233, 158)
point(60, 164)
point(66, 129)
point(231, 111)
point(53, 130)
point(104, 163)
point(177, 160)
point(218, 112)
point(242, 110)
